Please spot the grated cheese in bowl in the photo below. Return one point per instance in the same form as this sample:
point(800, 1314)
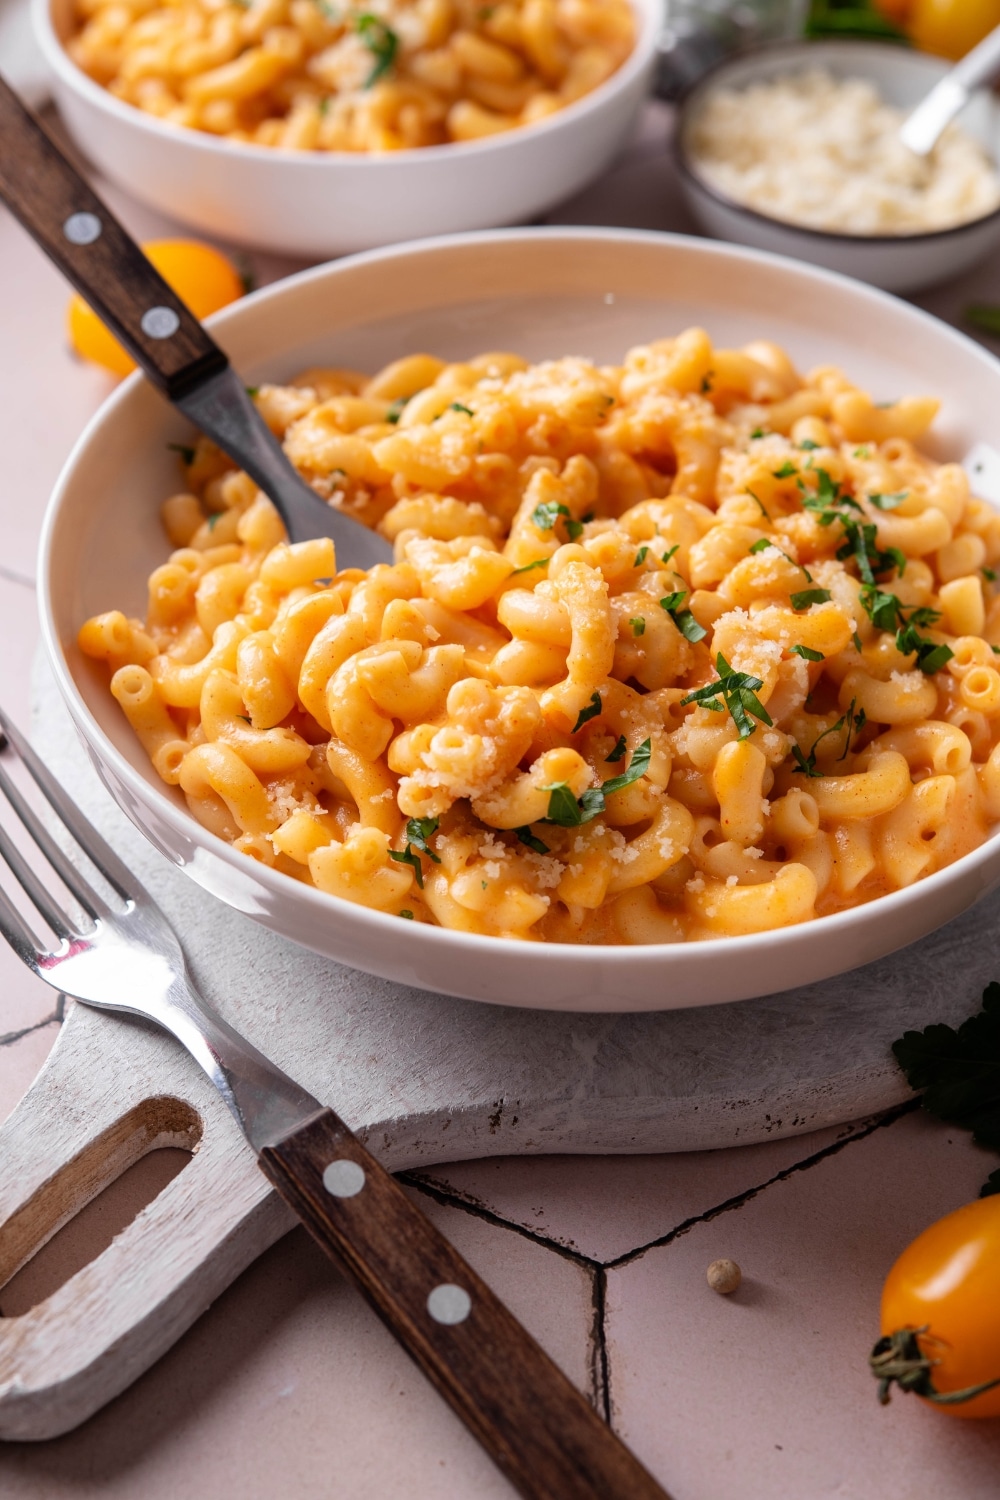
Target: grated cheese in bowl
point(825, 153)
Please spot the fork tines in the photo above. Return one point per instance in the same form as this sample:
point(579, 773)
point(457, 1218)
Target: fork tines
point(86, 837)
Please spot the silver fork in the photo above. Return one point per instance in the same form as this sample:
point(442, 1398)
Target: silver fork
point(536, 1426)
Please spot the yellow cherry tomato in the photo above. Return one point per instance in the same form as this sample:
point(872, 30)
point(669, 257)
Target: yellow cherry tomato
point(941, 1308)
point(951, 28)
point(201, 277)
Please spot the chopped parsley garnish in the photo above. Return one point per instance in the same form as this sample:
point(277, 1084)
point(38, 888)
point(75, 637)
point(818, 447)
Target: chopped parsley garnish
point(668, 555)
point(526, 836)
point(805, 597)
point(407, 857)
point(214, 520)
point(638, 625)
point(807, 445)
point(407, 914)
point(758, 432)
point(826, 503)
point(252, 391)
point(758, 502)
point(857, 641)
point(786, 471)
point(888, 502)
point(186, 453)
point(682, 618)
point(930, 658)
point(807, 653)
point(381, 41)
point(884, 610)
point(569, 812)
point(418, 831)
point(888, 613)
point(854, 723)
point(566, 811)
point(636, 766)
point(396, 409)
point(539, 562)
point(706, 382)
point(621, 743)
point(739, 694)
point(989, 574)
point(457, 406)
point(590, 712)
point(547, 514)
point(640, 557)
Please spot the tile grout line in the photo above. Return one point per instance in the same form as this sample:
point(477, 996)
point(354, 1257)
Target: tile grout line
point(449, 1198)
point(882, 1123)
point(600, 1372)
point(15, 1036)
point(479, 1211)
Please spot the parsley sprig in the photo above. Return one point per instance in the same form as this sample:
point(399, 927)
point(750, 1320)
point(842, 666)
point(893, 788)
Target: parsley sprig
point(958, 1071)
point(381, 41)
point(739, 695)
point(591, 711)
point(570, 812)
point(887, 612)
point(851, 721)
point(418, 831)
point(547, 514)
point(682, 618)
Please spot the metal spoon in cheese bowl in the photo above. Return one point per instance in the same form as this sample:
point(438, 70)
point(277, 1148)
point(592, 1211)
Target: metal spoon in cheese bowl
point(166, 340)
point(948, 97)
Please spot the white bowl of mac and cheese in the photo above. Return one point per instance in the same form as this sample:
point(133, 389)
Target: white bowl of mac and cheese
point(681, 688)
point(315, 130)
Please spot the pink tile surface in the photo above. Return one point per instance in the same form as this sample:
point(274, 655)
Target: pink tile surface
point(766, 1393)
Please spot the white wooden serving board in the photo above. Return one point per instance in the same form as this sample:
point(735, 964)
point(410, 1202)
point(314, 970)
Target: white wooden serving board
point(423, 1078)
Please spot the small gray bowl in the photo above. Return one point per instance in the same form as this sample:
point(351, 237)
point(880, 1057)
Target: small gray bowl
point(898, 263)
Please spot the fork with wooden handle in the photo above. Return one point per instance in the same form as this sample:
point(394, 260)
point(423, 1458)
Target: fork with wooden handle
point(113, 948)
point(79, 232)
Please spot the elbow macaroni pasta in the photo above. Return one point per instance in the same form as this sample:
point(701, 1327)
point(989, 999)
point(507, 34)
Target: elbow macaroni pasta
point(686, 648)
point(342, 75)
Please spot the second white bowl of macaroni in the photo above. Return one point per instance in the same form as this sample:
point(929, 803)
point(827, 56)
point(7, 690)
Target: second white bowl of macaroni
point(682, 686)
point(315, 129)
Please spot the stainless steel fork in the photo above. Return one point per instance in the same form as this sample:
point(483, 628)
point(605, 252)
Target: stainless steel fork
point(121, 954)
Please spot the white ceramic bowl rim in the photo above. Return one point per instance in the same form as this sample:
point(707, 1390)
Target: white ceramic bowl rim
point(647, 28)
point(715, 75)
point(747, 948)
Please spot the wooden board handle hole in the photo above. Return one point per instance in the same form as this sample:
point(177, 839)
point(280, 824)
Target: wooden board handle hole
point(75, 1215)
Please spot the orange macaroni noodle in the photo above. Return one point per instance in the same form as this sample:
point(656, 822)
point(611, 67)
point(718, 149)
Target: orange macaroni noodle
point(685, 648)
point(340, 75)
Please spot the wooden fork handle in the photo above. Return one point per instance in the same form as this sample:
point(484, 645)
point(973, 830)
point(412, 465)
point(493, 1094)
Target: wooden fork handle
point(537, 1427)
point(71, 224)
